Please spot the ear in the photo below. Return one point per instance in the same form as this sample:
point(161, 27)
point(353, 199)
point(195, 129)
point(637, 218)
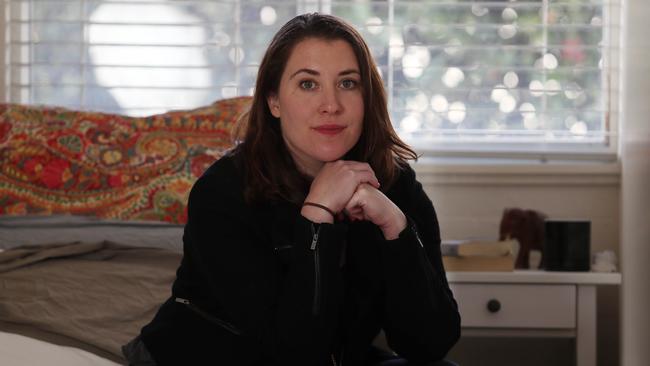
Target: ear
point(274, 104)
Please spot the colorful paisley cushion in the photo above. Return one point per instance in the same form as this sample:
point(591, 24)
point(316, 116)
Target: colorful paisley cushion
point(56, 160)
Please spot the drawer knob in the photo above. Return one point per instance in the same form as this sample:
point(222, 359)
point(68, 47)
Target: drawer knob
point(493, 305)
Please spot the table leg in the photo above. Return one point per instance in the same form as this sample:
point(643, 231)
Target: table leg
point(586, 327)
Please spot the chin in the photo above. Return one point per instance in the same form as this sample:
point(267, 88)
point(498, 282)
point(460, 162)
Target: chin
point(331, 155)
point(329, 158)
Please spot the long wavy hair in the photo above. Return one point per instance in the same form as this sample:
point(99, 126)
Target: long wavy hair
point(271, 173)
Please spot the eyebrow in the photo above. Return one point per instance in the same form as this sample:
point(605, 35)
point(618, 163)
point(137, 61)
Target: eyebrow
point(314, 72)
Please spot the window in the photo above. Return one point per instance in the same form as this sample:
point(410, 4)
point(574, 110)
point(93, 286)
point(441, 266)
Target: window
point(510, 76)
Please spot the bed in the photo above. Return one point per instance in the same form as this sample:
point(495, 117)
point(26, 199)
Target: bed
point(92, 208)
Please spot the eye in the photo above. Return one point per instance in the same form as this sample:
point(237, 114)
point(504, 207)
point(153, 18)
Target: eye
point(308, 84)
point(349, 84)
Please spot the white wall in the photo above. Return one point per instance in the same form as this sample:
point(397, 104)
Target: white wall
point(470, 200)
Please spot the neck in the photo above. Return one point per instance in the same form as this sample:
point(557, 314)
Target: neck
point(307, 166)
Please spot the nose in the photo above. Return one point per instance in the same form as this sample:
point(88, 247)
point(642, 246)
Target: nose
point(330, 103)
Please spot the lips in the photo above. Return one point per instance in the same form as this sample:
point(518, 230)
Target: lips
point(329, 129)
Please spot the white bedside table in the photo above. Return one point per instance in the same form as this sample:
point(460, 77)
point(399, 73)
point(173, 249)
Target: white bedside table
point(532, 303)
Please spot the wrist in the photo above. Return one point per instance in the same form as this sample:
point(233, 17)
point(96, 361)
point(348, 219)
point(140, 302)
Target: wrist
point(317, 214)
point(392, 231)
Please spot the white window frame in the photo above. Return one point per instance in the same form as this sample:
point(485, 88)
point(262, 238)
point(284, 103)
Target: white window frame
point(473, 150)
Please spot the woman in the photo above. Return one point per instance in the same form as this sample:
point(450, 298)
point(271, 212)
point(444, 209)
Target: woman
point(311, 235)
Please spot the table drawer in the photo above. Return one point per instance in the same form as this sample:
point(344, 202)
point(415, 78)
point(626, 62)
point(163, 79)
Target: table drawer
point(516, 305)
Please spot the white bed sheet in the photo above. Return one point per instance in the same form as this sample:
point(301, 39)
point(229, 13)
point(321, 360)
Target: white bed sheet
point(18, 350)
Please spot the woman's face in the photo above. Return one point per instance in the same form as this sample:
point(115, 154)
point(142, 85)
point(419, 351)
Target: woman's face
point(319, 102)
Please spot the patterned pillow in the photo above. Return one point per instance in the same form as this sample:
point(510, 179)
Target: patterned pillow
point(61, 161)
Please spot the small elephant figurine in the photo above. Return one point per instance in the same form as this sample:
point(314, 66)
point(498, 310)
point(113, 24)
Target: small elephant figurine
point(527, 226)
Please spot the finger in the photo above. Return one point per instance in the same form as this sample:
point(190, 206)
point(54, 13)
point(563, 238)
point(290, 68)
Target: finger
point(340, 216)
point(365, 176)
point(357, 217)
point(354, 208)
point(355, 164)
point(365, 188)
point(362, 168)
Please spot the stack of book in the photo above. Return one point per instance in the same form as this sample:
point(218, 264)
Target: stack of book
point(479, 255)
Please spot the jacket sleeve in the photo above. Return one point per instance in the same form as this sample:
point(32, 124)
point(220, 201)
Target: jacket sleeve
point(290, 315)
point(421, 318)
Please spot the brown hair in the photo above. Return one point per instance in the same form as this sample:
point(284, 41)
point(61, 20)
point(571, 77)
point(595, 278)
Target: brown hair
point(270, 170)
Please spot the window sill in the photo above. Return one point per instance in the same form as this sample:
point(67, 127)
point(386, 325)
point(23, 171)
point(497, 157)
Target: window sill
point(445, 171)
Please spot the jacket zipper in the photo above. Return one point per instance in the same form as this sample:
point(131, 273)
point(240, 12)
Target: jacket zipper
point(314, 248)
point(424, 263)
point(209, 317)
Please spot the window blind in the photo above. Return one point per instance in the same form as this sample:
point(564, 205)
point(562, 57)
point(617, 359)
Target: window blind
point(462, 76)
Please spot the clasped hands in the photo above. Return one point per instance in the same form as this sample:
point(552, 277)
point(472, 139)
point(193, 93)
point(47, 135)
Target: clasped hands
point(351, 188)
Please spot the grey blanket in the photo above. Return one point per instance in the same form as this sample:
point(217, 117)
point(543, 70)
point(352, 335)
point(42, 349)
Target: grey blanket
point(94, 296)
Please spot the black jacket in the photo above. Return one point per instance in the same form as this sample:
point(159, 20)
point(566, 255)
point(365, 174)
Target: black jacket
point(262, 285)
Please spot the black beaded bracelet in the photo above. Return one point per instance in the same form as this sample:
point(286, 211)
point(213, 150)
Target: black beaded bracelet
point(323, 207)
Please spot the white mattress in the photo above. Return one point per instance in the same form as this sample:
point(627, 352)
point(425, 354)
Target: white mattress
point(18, 350)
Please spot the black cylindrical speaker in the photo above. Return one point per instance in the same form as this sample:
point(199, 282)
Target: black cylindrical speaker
point(567, 245)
